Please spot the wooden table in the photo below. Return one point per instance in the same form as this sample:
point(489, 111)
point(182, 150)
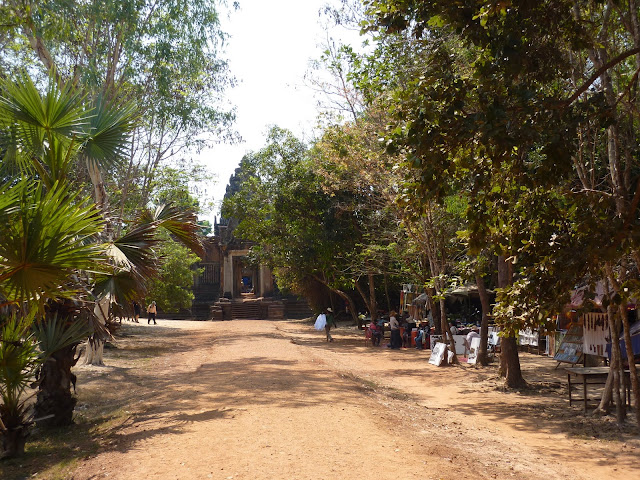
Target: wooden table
point(598, 376)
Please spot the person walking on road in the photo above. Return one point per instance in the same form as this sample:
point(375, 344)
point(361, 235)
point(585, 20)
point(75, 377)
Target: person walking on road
point(151, 313)
point(330, 323)
point(136, 311)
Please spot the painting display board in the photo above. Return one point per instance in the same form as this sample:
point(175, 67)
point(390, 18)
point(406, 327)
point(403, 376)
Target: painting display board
point(570, 350)
point(437, 354)
point(494, 339)
point(459, 343)
point(595, 334)
point(473, 351)
point(528, 337)
point(554, 340)
point(450, 356)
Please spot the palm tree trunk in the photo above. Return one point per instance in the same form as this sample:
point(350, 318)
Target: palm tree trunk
point(55, 402)
point(13, 441)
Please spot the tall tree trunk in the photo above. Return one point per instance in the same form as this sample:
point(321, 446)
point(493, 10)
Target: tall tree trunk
point(484, 325)
point(616, 367)
point(503, 281)
point(101, 197)
point(616, 370)
point(386, 293)
point(446, 332)
point(372, 292)
point(435, 313)
point(607, 394)
point(509, 358)
point(633, 372)
point(373, 311)
point(125, 188)
point(513, 373)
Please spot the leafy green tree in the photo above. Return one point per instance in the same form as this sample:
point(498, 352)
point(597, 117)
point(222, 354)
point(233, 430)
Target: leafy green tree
point(206, 228)
point(357, 174)
point(280, 204)
point(171, 288)
point(536, 113)
point(165, 55)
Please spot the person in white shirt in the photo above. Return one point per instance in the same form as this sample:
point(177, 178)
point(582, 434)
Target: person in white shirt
point(396, 340)
point(151, 313)
point(470, 336)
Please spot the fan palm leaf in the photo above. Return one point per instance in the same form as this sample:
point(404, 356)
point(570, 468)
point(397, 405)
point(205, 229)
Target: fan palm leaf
point(183, 225)
point(18, 361)
point(46, 237)
point(56, 333)
point(108, 134)
point(133, 252)
point(51, 121)
point(123, 285)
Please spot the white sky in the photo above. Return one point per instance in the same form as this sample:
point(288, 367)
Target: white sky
point(269, 51)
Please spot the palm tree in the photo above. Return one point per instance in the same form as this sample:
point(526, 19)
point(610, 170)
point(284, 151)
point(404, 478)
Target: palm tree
point(18, 364)
point(58, 261)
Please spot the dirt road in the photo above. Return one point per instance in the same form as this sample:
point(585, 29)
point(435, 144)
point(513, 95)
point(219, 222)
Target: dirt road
point(272, 400)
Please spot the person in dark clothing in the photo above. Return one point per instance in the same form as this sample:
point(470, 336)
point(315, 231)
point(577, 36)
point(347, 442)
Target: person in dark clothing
point(136, 311)
point(331, 322)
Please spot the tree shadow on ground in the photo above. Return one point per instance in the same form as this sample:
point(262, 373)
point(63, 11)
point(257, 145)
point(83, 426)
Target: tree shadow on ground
point(229, 385)
point(49, 448)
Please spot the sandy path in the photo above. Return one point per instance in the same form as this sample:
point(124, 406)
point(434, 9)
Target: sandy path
point(270, 400)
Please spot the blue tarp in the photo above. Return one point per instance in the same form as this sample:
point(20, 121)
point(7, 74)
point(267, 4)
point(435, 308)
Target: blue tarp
point(635, 344)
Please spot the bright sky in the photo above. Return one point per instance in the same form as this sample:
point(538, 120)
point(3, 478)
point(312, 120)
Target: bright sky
point(269, 51)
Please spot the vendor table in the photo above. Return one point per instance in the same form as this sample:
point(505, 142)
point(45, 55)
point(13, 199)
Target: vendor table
point(594, 376)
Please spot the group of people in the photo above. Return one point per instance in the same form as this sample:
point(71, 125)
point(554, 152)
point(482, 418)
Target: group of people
point(399, 339)
point(152, 310)
point(402, 339)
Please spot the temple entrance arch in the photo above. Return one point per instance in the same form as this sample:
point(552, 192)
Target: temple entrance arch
point(240, 277)
point(246, 278)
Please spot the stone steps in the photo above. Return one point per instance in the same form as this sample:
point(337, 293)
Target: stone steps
point(256, 309)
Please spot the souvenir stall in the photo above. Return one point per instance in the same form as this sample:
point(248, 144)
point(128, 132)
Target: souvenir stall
point(407, 296)
point(419, 307)
point(463, 305)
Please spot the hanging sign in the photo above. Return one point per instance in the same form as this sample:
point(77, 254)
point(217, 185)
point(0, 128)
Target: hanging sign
point(595, 334)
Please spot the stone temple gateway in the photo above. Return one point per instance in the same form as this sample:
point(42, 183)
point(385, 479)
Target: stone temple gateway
point(230, 286)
